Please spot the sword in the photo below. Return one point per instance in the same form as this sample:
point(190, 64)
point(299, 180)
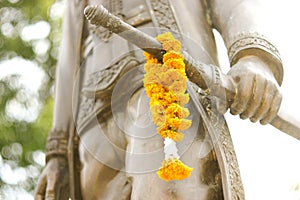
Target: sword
point(207, 77)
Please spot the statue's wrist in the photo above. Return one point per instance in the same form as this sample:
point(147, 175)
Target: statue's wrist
point(57, 145)
point(253, 44)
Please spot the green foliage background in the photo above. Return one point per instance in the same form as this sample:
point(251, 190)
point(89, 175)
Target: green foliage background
point(21, 141)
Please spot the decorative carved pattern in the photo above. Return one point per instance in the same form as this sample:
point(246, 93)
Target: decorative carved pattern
point(115, 7)
point(86, 107)
point(246, 40)
point(113, 23)
point(101, 82)
point(233, 168)
point(57, 144)
point(98, 90)
point(101, 32)
point(224, 142)
point(164, 15)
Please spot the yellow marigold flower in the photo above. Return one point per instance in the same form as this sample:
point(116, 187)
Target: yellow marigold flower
point(168, 42)
point(158, 74)
point(164, 99)
point(151, 66)
point(154, 102)
point(149, 58)
point(174, 169)
point(169, 78)
point(172, 55)
point(182, 99)
point(158, 115)
point(174, 135)
point(155, 68)
point(175, 110)
point(154, 88)
point(176, 124)
point(173, 80)
point(176, 63)
point(151, 79)
point(177, 87)
point(185, 124)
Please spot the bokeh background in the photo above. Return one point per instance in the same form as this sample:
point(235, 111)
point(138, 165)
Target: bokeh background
point(30, 33)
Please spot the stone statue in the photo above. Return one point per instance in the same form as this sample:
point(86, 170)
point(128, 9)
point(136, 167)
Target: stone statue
point(93, 149)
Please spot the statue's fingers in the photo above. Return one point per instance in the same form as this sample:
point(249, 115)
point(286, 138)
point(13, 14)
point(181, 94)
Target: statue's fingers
point(273, 110)
point(244, 92)
point(266, 103)
point(40, 190)
point(257, 94)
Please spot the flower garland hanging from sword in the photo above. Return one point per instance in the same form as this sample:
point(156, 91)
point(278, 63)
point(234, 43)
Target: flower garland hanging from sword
point(165, 85)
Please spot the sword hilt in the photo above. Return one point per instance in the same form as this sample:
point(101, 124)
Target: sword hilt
point(99, 16)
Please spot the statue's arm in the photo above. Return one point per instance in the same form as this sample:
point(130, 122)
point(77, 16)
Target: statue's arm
point(54, 180)
point(255, 62)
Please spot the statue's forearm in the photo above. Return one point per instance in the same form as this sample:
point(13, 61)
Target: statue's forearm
point(62, 114)
point(57, 141)
point(246, 28)
point(68, 63)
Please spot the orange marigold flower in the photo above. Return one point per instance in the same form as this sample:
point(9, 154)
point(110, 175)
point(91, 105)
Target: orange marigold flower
point(182, 99)
point(168, 41)
point(173, 79)
point(149, 58)
point(185, 124)
point(169, 78)
point(173, 123)
point(157, 74)
point(151, 66)
point(172, 55)
point(174, 169)
point(154, 89)
point(176, 63)
point(177, 123)
point(158, 115)
point(164, 98)
point(174, 135)
point(177, 87)
point(175, 110)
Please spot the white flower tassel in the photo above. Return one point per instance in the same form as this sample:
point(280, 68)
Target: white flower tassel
point(170, 149)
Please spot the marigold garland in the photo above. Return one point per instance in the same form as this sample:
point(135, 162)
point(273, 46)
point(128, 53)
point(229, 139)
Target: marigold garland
point(165, 85)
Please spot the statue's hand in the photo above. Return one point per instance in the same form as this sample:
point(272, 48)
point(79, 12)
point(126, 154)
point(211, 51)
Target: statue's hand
point(53, 183)
point(258, 96)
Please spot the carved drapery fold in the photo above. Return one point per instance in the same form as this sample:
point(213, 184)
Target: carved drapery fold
point(98, 90)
